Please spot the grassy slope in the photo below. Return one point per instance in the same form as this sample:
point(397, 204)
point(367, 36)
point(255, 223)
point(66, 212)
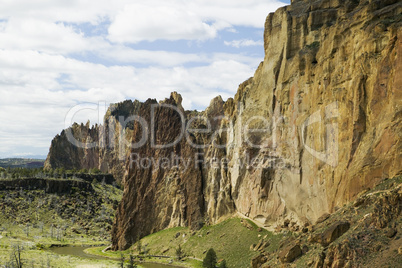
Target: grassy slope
point(230, 239)
point(42, 258)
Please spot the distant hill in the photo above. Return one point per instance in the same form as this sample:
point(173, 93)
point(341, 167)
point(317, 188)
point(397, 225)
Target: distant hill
point(21, 162)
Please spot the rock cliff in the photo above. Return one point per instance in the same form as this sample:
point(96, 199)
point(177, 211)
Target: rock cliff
point(318, 123)
point(100, 146)
point(67, 154)
point(330, 86)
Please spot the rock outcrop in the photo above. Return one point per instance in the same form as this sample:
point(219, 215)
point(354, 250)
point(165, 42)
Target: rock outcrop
point(72, 148)
point(358, 242)
point(333, 232)
point(51, 186)
point(330, 87)
point(164, 186)
point(320, 121)
point(290, 253)
point(103, 147)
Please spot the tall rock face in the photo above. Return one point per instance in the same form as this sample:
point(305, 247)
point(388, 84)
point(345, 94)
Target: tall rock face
point(164, 185)
point(330, 86)
point(320, 121)
point(72, 148)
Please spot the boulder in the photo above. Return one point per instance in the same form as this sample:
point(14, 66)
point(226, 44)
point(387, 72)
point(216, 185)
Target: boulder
point(290, 253)
point(333, 232)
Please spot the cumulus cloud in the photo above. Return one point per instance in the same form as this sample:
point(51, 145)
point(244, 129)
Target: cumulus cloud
point(41, 36)
point(189, 20)
point(60, 10)
point(34, 100)
point(139, 22)
point(57, 54)
point(243, 43)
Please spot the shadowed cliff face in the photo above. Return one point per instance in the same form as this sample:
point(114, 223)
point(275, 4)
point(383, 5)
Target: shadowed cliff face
point(318, 123)
point(63, 152)
point(159, 192)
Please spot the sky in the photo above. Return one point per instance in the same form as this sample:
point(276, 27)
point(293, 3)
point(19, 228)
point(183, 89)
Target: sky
point(55, 55)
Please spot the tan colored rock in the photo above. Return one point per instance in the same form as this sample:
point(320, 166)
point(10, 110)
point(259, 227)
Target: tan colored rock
point(290, 253)
point(312, 68)
point(333, 232)
point(258, 261)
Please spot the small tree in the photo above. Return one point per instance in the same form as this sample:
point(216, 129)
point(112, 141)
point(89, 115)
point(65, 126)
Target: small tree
point(210, 259)
point(122, 260)
point(16, 257)
point(179, 253)
point(223, 264)
point(132, 264)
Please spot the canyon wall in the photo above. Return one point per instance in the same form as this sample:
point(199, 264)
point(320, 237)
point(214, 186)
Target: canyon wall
point(318, 123)
point(330, 86)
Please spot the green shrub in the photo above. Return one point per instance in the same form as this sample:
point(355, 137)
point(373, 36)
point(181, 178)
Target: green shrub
point(210, 259)
point(40, 246)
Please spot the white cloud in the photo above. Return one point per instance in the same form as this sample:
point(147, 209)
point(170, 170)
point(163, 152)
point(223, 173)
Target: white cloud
point(237, 12)
point(41, 36)
point(138, 22)
point(34, 102)
point(243, 43)
point(60, 10)
point(49, 62)
point(147, 20)
point(195, 20)
point(127, 55)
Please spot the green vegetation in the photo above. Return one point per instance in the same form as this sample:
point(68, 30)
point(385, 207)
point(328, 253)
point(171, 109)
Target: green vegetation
point(21, 163)
point(210, 259)
point(58, 173)
point(179, 253)
point(231, 240)
point(127, 254)
point(132, 263)
point(33, 221)
point(223, 264)
point(43, 258)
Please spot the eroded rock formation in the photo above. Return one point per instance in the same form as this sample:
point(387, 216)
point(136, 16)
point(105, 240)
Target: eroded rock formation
point(319, 122)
